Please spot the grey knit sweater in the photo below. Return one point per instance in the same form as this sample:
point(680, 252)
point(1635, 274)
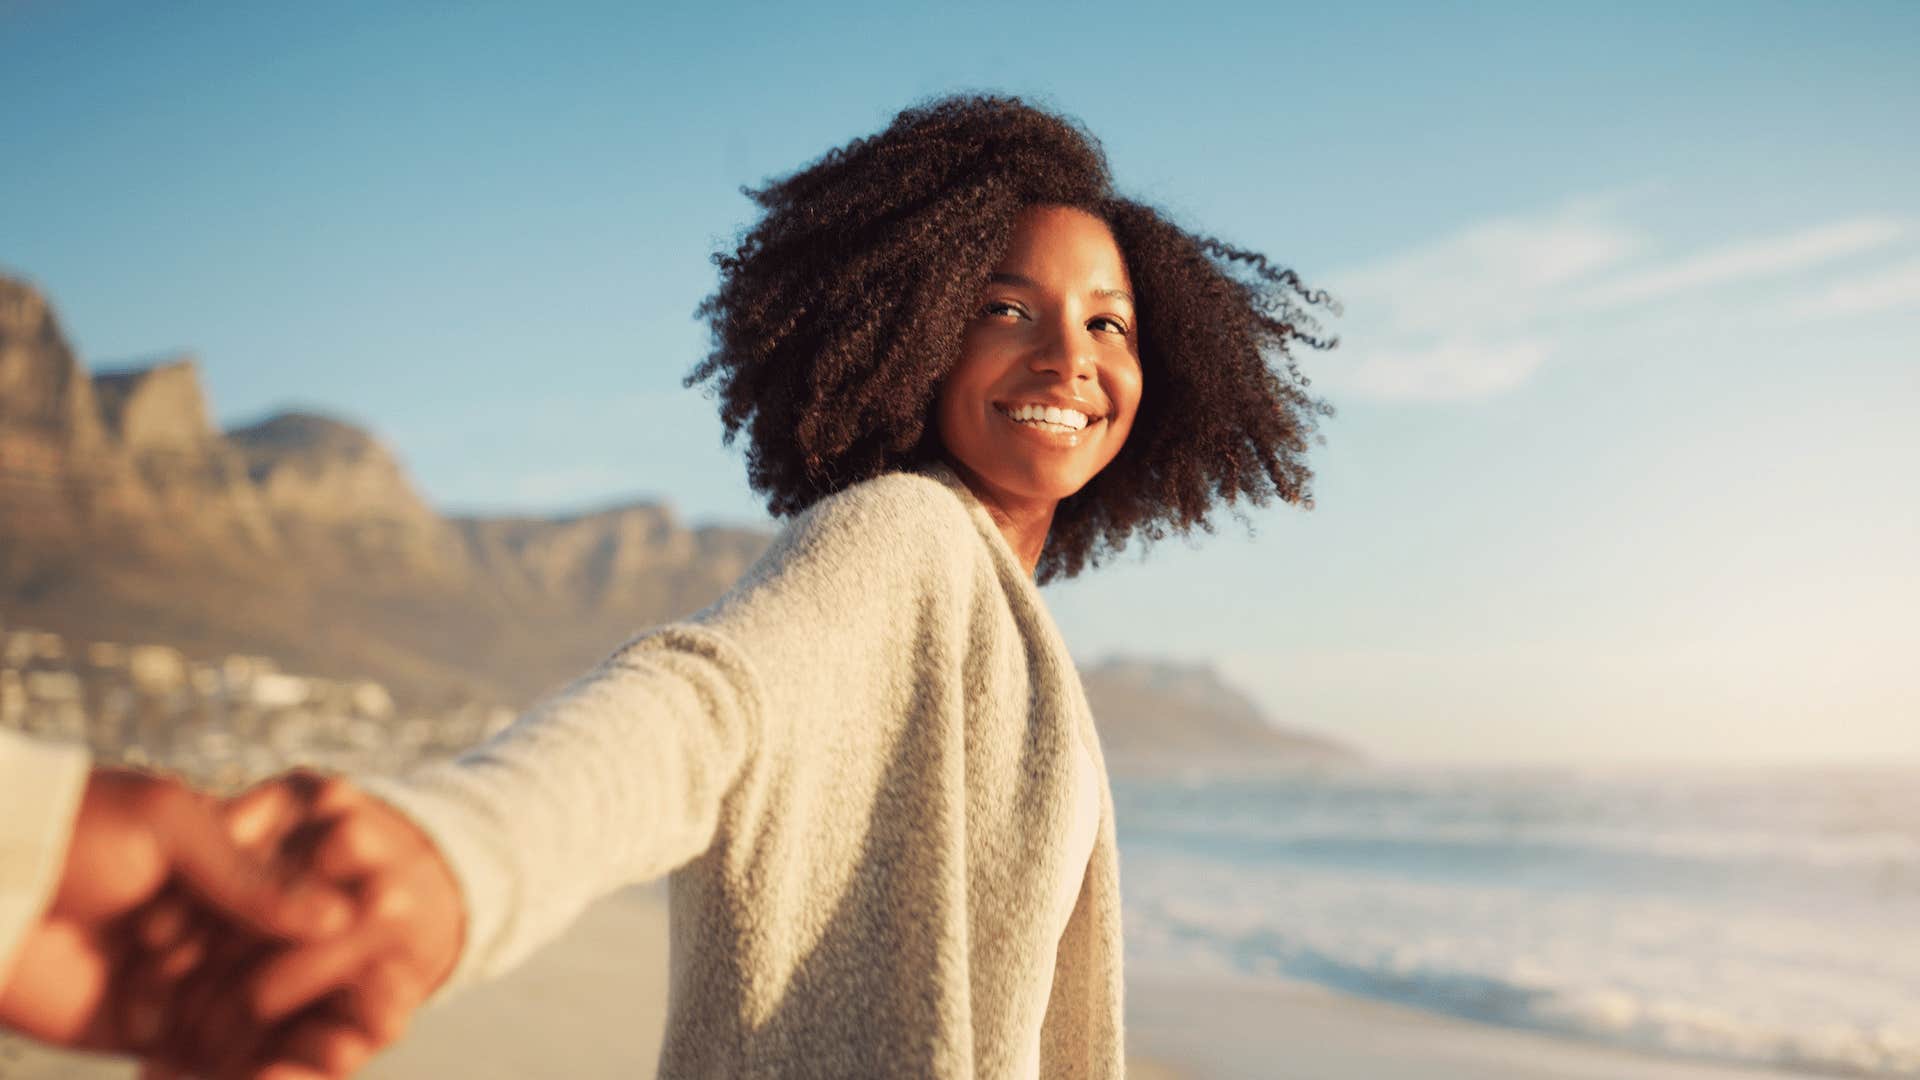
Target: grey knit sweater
point(856, 766)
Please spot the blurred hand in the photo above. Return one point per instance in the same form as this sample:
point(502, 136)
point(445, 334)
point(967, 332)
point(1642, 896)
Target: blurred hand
point(95, 972)
point(321, 1008)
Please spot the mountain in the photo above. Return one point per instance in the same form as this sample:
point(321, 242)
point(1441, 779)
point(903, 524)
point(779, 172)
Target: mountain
point(54, 451)
point(126, 516)
point(1154, 715)
point(44, 394)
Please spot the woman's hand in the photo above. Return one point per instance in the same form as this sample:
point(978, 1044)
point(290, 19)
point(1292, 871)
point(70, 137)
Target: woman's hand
point(321, 1008)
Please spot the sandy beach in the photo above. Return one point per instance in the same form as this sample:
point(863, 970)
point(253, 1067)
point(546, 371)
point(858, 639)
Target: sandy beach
point(592, 1005)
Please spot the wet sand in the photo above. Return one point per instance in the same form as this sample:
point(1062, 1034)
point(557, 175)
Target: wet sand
point(1216, 1027)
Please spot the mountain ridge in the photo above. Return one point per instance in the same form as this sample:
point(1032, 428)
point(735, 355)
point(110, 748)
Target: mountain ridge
point(125, 514)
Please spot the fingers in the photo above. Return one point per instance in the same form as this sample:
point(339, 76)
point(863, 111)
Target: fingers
point(383, 1002)
point(239, 886)
point(353, 847)
point(258, 817)
point(320, 1041)
point(143, 1012)
point(316, 1047)
point(264, 814)
point(324, 1005)
point(204, 1017)
point(362, 986)
point(337, 1034)
point(147, 992)
point(164, 923)
point(326, 1045)
point(177, 962)
point(298, 977)
point(213, 993)
point(283, 1070)
point(286, 1070)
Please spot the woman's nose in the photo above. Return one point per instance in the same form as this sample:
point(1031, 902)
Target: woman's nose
point(1067, 355)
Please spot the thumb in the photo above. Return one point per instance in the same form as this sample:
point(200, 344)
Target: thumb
point(240, 886)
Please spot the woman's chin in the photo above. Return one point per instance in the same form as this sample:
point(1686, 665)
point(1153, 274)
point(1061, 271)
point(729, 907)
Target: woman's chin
point(1037, 482)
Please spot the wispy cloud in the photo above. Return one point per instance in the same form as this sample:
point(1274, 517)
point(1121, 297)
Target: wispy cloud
point(1485, 276)
point(1451, 369)
point(1889, 288)
point(1477, 312)
point(1771, 256)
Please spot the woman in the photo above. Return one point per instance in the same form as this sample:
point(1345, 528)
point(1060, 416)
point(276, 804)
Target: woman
point(963, 362)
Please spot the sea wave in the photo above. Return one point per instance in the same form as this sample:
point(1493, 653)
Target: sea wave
point(1548, 910)
point(1526, 996)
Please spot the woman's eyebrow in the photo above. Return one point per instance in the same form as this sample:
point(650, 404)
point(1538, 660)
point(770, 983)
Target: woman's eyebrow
point(1002, 277)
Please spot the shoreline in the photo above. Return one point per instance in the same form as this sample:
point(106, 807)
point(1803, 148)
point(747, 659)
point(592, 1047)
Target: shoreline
point(1202, 1025)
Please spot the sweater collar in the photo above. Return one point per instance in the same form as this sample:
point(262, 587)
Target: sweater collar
point(1012, 571)
point(982, 520)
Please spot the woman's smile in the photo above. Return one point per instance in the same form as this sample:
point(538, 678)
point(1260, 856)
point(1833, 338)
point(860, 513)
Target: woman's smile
point(1061, 425)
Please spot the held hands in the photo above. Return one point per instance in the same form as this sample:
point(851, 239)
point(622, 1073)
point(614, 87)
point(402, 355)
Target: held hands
point(320, 1007)
point(288, 934)
point(141, 849)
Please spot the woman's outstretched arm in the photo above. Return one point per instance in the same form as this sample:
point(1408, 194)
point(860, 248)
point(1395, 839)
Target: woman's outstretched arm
point(616, 779)
point(470, 865)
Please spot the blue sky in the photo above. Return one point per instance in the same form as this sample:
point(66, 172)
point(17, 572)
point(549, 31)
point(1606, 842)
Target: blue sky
point(1624, 466)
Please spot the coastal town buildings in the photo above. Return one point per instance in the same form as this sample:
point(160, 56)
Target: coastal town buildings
point(220, 724)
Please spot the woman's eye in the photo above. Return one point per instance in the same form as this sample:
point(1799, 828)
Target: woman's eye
point(1110, 325)
point(1003, 307)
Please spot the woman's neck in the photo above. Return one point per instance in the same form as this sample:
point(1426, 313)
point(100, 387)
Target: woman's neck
point(1024, 522)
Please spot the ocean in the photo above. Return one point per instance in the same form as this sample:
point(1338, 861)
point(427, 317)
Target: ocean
point(1763, 917)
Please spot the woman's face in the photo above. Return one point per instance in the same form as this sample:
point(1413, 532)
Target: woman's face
point(1048, 379)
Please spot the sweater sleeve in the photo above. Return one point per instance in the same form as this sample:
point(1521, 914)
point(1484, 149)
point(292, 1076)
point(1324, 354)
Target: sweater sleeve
point(40, 787)
point(620, 777)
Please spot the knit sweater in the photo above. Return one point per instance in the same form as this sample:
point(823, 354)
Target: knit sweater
point(857, 767)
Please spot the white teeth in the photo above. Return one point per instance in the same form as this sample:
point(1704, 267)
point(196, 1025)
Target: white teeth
point(1068, 419)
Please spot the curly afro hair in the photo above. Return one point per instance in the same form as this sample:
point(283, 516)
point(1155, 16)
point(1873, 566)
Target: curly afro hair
point(839, 313)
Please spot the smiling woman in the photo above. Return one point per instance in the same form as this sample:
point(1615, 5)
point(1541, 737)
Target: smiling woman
point(841, 313)
point(869, 770)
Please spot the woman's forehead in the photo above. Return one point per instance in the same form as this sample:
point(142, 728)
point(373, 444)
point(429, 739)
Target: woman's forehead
point(1063, 248)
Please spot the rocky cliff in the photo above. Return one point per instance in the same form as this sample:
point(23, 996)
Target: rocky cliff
point(126, 515)
point(156, 409)
point(43, 389)
point(1155, 714)
point(55, 459)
